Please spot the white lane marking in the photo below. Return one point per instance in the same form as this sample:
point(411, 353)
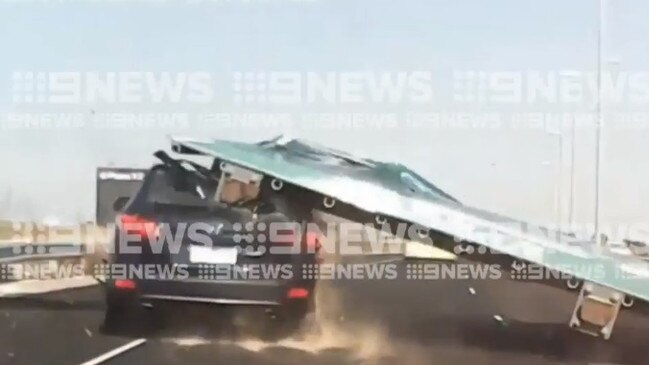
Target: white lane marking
point(418, 250)
point(189, 341)
point(27, 287)
point(115, 352)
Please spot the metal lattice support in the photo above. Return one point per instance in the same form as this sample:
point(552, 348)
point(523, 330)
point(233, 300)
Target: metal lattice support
point(233, 172)
point(596, 310)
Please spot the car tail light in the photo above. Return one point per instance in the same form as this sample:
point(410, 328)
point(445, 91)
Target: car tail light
point(314, 244)
point(313, 241)
point(139, 226)
point(125, 284)
point(297, 293)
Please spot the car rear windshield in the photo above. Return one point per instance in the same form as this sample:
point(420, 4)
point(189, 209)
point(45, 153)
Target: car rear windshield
point(161, 191)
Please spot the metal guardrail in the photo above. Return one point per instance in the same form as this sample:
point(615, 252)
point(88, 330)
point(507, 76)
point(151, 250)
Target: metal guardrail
point(11, 252)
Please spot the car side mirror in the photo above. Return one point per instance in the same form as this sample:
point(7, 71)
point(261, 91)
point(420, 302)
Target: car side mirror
point(120, 203)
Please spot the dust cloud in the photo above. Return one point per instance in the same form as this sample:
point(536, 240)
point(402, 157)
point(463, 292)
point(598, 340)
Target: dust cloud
point(329, 329)
point(332, 328)
point(365, 342)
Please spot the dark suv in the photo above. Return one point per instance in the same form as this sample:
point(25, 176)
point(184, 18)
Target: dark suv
point(175, 242)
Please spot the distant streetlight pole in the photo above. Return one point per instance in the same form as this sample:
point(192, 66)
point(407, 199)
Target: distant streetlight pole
point(559, 178)
point(598, 130)
point(571, 201)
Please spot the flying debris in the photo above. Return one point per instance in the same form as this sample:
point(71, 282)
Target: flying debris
point(314, 177)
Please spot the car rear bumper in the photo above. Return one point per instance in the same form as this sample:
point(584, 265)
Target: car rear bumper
point(226, 301)
point(262, 292)
point(232, 292)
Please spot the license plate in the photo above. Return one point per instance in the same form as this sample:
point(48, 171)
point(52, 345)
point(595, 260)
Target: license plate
point(213, 255)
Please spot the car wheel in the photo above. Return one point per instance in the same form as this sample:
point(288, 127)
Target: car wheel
point(122, 315)
point(117, 319)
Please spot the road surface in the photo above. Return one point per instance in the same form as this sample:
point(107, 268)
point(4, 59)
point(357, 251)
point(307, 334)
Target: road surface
point(405, 322)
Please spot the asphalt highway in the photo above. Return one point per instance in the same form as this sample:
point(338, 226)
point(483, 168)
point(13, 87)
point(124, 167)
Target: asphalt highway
point(405, 322)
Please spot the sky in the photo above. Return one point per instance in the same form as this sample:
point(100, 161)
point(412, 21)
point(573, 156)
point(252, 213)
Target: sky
point(49, 171)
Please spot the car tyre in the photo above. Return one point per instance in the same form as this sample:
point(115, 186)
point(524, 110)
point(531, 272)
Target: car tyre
point(123, 316)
